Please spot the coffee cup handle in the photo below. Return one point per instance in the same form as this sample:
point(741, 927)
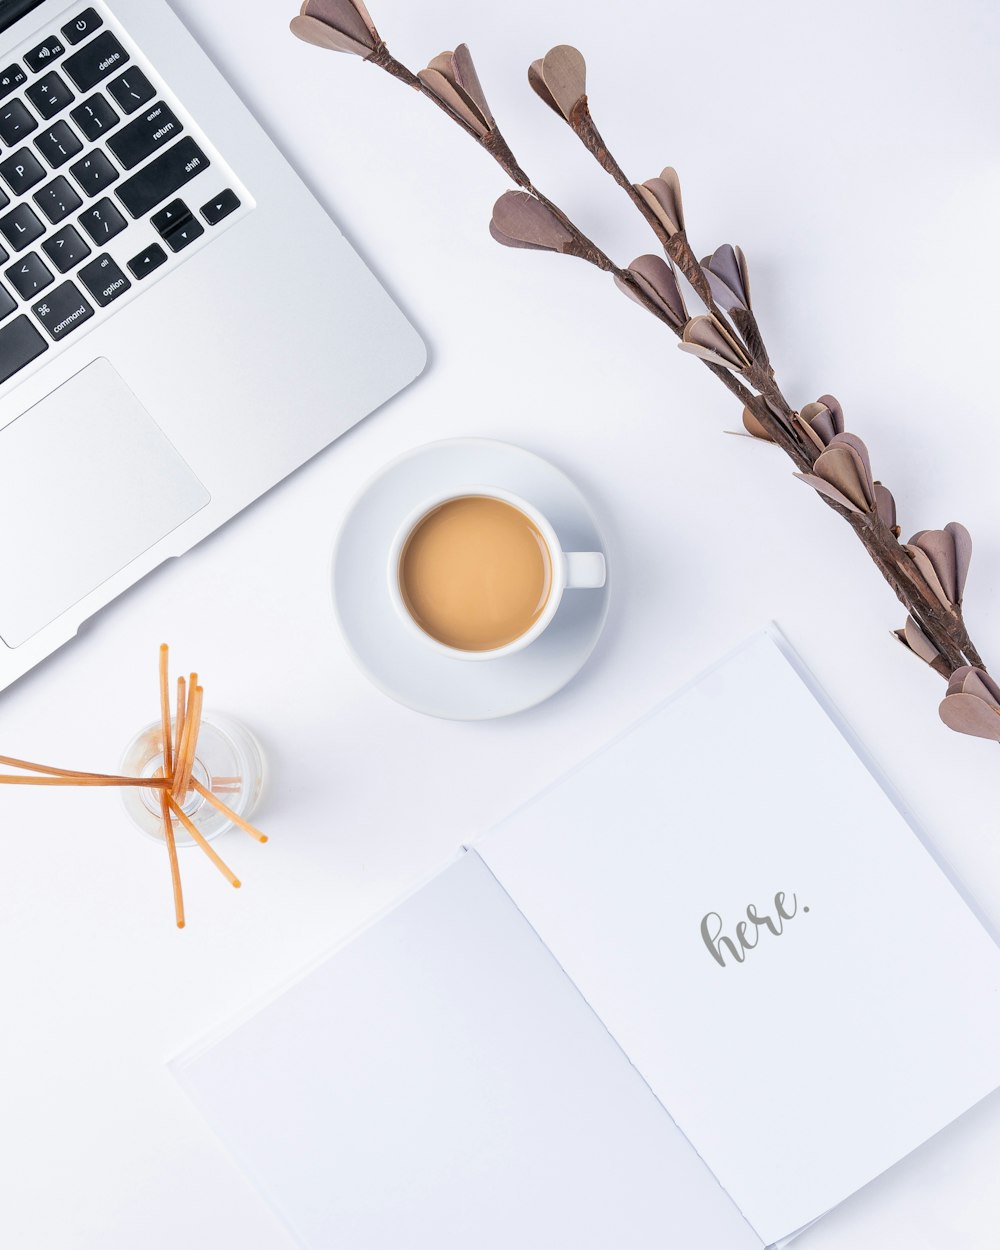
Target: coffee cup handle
point(585, 569)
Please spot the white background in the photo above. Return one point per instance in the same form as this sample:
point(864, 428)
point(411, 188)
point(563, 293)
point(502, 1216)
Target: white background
point(851, 150)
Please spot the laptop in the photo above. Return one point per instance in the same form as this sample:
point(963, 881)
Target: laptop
point(181, 324)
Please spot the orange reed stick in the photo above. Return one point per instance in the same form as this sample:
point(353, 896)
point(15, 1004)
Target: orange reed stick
point(182, 750)
point(227, 811)
point(195, 833)
point(179, 717)
point(175, 872)
point(192, 724)
point(168, 746)
point(11, 762)
point(84, 779)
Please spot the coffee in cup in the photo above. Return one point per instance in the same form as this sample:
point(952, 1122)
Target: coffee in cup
point(475, 573)
point(481, 574)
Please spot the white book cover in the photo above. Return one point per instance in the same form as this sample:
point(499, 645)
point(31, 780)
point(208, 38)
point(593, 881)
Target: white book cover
point(440, 1084)
point(765, 936)
point(692, 995)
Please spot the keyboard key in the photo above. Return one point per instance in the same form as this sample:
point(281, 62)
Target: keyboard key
point(58, 144)
point(102, 221)
point(94, 62)
point(10, 79)
point(183, 234)
point(7, 303)
point(49, 95)
point(15, 123)
point(131, 90)
point(57, 199)
point(149, 258)
point(29, 276)
point(154, 129)
point(62, 310)
point(42, 56)
point(83, 24)
point(222, 205)
point(66, 248)
point(20, 343)
point(94, 116)
point(21, 171)
point(104, 280)
point(164, 175)
point(165, 220)
point(21, 227)
point(94, 172)
point(4, 198)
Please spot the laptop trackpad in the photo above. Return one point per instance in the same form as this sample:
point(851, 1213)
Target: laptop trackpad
point(88, 482)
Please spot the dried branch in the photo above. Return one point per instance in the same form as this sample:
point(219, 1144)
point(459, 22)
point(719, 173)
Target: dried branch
point(927, 574)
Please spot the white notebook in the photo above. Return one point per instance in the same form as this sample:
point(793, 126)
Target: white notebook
point(693, 995)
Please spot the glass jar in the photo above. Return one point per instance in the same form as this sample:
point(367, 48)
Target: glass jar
point(228, 761)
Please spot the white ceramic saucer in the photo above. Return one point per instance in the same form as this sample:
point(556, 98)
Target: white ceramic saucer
point(398, 663)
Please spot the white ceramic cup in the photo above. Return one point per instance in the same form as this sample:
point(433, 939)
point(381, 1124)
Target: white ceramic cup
point(571, 570)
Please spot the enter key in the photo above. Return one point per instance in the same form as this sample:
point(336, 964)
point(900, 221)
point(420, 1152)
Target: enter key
point(154, 129)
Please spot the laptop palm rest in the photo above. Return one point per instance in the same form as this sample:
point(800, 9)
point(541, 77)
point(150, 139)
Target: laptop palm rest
point(88, 482)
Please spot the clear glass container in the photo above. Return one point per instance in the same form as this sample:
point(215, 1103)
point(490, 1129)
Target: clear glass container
point(229, 762)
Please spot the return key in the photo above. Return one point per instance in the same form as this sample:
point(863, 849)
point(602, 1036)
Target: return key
point(155, 128)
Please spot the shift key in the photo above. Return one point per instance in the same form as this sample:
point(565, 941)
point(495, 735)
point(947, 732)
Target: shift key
point(162, 177)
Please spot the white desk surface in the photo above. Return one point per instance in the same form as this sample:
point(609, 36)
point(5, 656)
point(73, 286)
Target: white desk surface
point(851, 151)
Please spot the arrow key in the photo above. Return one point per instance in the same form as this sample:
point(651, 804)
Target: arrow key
point(183, 234)
point(220, 206)
point(149, 258)
point(167, 218)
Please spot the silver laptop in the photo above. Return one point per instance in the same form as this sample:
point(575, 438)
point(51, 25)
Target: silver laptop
point(181, 324)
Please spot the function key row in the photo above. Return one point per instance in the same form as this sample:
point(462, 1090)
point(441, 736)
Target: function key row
point(49, 50)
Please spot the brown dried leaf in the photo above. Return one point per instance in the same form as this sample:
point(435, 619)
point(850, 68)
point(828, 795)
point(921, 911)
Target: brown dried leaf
point(855, 443)
point(939, 547)
point(709, 335)
point(963, 554)
point(824, 419)
point(831, 492)
point(885, 506)
point(754, 427)
point(521, 220)
point(918, 642)
point(842, 466)
point(808, 431)
point(453, 98)
point(506, 241)
point(979, 683)
point(726, 272)
point(956, 680)
point(309, 30)
point(350, 18)
point(923, 563)
point(465, 77)
point(967, 714)
point(658, 280)
point(663, 195)
point(562, 76)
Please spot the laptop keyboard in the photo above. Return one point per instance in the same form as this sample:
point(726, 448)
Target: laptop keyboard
point(104, 181)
